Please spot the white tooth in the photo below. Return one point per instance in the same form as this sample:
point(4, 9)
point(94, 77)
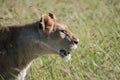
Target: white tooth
point(67, 58)
point(74, 47)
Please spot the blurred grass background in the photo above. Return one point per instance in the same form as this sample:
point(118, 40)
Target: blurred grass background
point(95, 22)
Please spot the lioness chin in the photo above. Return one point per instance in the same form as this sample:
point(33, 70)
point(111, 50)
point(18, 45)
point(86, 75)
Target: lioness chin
point(21, 44)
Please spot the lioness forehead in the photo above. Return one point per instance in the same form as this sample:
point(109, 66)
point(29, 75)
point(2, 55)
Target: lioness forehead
point(61, 26)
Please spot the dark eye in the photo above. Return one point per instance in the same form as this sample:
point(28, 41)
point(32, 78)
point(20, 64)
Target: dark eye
point(62, 31)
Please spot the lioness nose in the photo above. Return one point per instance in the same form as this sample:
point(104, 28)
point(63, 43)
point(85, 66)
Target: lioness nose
point(76, 41)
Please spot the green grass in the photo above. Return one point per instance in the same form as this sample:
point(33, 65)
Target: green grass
point(95, 22)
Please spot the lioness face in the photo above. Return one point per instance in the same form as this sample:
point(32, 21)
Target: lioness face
point(60, 39)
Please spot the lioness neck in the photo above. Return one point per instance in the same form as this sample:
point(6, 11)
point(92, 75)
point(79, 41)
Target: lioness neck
point(22, 45)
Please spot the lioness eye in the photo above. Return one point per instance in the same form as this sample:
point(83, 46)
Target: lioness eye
point(62, 31)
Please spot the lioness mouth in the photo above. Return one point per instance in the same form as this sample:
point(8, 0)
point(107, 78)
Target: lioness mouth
point(65, 54)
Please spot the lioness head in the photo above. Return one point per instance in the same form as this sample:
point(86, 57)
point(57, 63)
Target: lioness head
point(59, 38)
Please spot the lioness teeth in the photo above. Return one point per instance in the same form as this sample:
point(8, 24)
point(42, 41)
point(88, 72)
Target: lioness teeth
point(67, 58)
point(66, 55)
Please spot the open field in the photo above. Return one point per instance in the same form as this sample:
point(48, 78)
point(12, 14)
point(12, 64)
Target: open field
point(95, 22)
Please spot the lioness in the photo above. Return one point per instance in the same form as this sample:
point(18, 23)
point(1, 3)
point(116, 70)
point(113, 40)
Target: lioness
point(21, 44)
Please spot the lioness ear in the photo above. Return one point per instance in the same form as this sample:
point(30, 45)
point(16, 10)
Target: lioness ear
point(52, 16)
point(46, 23)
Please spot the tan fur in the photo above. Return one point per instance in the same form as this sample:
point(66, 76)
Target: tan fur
point(21, 44)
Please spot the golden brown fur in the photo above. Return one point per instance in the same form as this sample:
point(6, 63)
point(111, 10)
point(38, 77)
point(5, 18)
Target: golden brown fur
point(20, 44)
